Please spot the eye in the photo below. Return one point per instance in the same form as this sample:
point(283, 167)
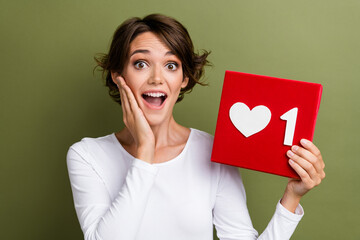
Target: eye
point(140, 64)
point(172, 66)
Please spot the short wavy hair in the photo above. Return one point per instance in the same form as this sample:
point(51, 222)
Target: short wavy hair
point(171, 32)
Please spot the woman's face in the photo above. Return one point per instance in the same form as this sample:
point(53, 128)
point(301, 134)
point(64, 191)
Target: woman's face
point(155, 76)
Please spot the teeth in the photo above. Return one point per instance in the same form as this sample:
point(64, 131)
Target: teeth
point(155, 94)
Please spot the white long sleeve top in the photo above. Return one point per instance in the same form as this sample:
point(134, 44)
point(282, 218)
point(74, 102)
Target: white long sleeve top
point(117, 196)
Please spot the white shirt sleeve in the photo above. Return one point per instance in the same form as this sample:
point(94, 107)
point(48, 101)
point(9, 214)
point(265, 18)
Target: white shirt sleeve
point(99, 217)
point(231, 216)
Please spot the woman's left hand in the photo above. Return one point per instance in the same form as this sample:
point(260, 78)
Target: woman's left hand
point(309, 165)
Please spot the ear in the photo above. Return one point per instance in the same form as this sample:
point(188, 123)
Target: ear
point(115, 77)
point(185, 82)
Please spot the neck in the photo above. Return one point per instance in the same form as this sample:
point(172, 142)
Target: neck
point(166, 134)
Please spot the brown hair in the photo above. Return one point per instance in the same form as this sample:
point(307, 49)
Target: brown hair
point(171, 32)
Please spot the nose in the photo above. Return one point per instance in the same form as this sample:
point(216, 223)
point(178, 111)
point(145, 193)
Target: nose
point(156, 75)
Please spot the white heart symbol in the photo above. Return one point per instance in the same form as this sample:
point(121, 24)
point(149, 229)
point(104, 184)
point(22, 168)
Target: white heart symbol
point(249, 122)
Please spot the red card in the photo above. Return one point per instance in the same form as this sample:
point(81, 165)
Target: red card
point(259, 119)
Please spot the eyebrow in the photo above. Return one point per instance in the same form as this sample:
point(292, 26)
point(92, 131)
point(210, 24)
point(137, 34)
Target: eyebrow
point(139, 51)
point(147, 51)
point(169, 53)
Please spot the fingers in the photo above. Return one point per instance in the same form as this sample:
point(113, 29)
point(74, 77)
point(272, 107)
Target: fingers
point(313, 149)
point(301, 172)
point(124, 100)
point(133, 105)
point(133, 116)
point(123, 95)
point(315, 161)
point(124, 104)
point(307, 168)
point(308, 163)
point(126, 95)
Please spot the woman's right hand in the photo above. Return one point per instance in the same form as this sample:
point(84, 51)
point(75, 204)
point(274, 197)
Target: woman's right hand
point(136, 123)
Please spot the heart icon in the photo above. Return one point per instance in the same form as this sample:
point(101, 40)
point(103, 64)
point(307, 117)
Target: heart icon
point(247, 121)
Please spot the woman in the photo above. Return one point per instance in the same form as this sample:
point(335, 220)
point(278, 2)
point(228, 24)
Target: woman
point(154, 179)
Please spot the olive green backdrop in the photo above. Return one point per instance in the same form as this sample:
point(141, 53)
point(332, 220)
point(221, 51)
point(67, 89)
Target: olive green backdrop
point(49, 98)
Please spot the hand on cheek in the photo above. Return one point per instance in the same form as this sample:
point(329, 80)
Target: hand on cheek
point(136, 122)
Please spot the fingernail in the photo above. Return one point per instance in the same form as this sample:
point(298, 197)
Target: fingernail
point(295, 148)
point(290, 153)
point(304, 141)
point(291, 161)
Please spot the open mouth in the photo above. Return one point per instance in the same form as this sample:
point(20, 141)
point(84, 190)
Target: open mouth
point(155, 99)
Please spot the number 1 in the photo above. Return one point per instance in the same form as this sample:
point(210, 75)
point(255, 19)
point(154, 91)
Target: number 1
point(290, 118)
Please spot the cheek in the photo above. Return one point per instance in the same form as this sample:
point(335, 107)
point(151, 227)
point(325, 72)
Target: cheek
point(176, 86)
point(176, 80)
point(132, 79)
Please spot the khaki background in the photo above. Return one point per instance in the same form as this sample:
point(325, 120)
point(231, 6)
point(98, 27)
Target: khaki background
point(49, 98)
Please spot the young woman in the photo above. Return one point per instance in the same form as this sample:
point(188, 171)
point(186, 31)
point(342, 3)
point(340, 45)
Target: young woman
point(154, 179)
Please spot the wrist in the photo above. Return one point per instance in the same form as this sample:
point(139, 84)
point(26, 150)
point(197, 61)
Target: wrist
point(290, 201)
point(145, 153)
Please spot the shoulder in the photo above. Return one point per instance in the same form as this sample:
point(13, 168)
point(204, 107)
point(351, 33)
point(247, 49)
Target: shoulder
point(88, 143)
point(89, 146)
point(201, 137)
point(200, 144)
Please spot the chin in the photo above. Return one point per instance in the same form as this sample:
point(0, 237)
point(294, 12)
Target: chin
point(155, 119)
